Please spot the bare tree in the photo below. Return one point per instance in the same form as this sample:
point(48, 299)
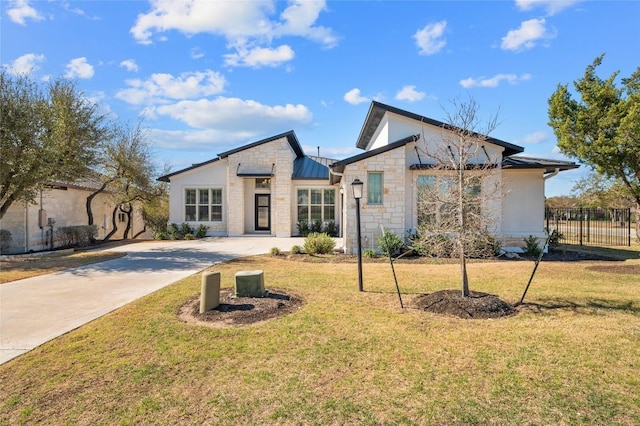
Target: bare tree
point(454, 198)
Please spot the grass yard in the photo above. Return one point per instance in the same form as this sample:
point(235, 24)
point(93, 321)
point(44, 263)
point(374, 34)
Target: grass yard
point(572, 356)
point(26, 267)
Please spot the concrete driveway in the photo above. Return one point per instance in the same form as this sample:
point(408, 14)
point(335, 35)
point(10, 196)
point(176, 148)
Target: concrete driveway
point(36, 310)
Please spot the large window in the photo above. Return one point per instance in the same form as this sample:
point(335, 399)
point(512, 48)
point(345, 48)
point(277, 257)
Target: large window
point(438, 199)
point(203, 205)
point(374, 188)
point(316, 204)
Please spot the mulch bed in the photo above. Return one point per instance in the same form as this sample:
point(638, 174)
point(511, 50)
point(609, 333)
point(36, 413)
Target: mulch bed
point(239, 311)
point(477, 305)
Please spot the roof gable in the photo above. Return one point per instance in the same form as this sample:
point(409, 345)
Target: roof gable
point(378, 110)
point(291, 139)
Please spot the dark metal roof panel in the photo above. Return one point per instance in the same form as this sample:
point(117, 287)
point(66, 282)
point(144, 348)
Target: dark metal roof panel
point(522, 162)
point(308, 168)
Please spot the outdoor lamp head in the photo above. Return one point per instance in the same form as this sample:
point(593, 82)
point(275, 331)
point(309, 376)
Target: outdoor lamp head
point(357, 185)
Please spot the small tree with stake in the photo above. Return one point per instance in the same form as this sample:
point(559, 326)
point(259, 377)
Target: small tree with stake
point(454, 196)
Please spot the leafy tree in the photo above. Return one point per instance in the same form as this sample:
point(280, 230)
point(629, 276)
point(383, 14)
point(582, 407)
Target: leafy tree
point(130, 172)
point(602, 128)
point(596, 190)
point(453, 200)
point(47, 134)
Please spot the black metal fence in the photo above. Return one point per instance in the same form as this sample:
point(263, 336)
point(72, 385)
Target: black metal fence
point(591, 226)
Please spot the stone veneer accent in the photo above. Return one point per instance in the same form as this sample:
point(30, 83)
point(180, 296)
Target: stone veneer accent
point(391, 214)
point(261, 158)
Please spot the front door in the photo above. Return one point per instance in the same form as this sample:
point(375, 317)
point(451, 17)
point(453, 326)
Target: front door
point(263, 212)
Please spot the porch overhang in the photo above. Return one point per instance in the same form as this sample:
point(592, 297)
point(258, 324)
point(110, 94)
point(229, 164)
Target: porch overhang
point(254, 172)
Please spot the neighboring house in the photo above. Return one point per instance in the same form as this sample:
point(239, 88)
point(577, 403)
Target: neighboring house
point(268, 186)
point(60, 205)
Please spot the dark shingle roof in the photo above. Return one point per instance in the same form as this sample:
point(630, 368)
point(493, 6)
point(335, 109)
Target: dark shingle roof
point(377, 110)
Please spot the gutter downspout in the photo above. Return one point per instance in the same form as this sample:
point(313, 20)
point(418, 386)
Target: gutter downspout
point(552, 174)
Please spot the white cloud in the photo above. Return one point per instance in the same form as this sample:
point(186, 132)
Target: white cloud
point(196, 53)
point(536, 137)
point(550, 6)
point(409, 93)
point(163, 87)
point(25, 64)
point(129, 65)
point(494, 81)
point(259, 57)
point(207, 139)
point(248, 26)
point(233, 114)
point(353, 97)
point(20, 10)
point(526, 36)
point(79, 68)
point(430, 39)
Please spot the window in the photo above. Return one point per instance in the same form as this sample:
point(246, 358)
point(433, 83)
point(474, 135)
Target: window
point(438, 199)
point(122, 217)
point(316, 204)
point(263, 183)
point(203, 205)
point(374, 188)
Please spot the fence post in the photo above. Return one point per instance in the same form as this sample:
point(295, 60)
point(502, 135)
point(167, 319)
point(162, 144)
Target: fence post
point(629, 228)
point(580, 230)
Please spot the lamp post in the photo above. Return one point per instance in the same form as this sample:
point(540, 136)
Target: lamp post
point(357, 185)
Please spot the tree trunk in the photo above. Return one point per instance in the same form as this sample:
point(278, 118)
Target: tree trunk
point(465, 278)
point(90, 199)
point(125, 234)
point(114, 223)
point(144, 229)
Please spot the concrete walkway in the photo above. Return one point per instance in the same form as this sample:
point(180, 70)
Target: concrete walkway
point(36, 310)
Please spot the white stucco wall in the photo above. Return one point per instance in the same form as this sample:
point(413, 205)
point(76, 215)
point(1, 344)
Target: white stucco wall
point(68, 208)
point(522, 206)
point(212, 175)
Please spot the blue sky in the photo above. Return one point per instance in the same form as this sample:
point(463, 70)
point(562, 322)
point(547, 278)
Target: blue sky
point(210, 76)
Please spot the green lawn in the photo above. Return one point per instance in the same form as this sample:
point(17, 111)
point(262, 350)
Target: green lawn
point(572, 356)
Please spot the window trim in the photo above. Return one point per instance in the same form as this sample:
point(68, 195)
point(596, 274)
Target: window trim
point(309, 204)
point(197, 204)
point(370, 189)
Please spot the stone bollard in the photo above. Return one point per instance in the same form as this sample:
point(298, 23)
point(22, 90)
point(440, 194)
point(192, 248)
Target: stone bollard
point(210, 291)
point(249, 284)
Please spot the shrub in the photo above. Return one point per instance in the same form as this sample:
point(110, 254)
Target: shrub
point(201, 232)
point(319, 243)
point(160, 235)
point(189, 236)
point(296, 249)
point(389, 243)
point(173, 232)
point(532, 247)
point(77, 236)
point(554, 239)
point(432, 245)
point(185, 229)
point(331, 228)
point(369, 253)
point(316, 226)
point(5, 240)
point(303, 228)
point(275, 251)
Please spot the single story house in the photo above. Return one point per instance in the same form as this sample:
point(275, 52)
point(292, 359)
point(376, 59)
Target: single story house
point(33, 226)
point(269, 186)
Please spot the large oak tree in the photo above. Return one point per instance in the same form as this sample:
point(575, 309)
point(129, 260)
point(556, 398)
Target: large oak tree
point(48, 133)
point(602, 127)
